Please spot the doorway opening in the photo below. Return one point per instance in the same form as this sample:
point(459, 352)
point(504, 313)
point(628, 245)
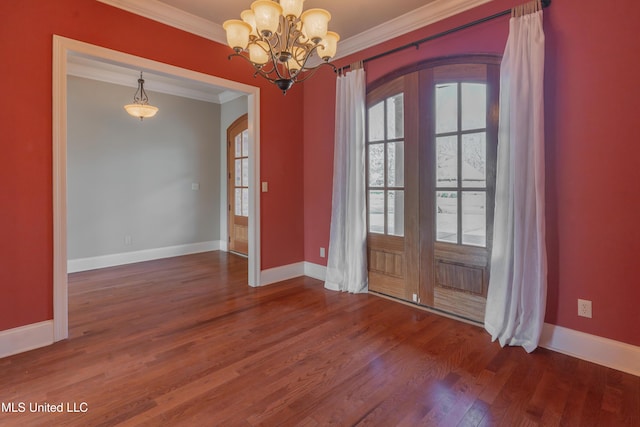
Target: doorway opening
point(62, 49)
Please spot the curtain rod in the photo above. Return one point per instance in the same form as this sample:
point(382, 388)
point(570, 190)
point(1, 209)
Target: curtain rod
point(416, 44)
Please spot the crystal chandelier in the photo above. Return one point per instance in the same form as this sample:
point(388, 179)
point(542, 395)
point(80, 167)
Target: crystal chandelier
point(140, 107)
point(279, 38)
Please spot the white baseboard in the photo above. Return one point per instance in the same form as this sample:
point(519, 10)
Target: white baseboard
point(278, 274)
point(25, 338)
point(602, 351)
point(83, 264)
point(315, 271)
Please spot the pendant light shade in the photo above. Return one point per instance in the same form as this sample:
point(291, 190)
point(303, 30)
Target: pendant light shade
point(315, 23)
point(140, 107)
point(328, 46)
point(291, 7)
point(267, 14)
point(237, 33)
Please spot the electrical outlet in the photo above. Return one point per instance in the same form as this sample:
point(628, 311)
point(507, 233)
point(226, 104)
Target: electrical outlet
point(584, 308)
point(127, 240)
point(322, 253)
point(415, 298)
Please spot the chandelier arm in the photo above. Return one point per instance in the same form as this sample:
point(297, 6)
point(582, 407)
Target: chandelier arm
point(309, 72)
point(274, 59)
point(292, 33)
point(258, 70)
point(308, 55)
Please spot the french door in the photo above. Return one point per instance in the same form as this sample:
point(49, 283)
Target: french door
point(238, 185)
point(431, 153)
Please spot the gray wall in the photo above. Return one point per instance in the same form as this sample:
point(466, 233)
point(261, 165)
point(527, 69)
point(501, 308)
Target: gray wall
point(131, 178)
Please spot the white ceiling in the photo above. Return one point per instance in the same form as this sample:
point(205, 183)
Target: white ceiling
point(348, 17)
point(360, 23)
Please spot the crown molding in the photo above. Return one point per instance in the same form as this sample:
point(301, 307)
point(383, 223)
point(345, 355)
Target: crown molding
point(108, 73)
point(414, 20)
point(432, 12)
point(172, 16)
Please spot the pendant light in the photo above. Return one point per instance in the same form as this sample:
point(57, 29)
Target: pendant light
point(140, 107)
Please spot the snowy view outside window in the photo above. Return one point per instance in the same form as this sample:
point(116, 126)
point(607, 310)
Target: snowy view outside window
point(461, 159)
point(386, 166)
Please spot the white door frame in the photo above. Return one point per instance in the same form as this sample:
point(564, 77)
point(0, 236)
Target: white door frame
point(62, 46)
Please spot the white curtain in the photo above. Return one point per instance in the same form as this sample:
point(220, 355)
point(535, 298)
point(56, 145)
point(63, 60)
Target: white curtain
point(347, 262)
point(518, 286)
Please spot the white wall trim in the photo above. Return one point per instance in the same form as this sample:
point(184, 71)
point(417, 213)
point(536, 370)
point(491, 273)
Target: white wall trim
point(315, 271)
point(172, 16)
point(278, 274)
point(111, 260)
point(79, 66)
point(418, 18)
point(62, 47)
point(25, 338)
point(603, 351)
point(428, 14)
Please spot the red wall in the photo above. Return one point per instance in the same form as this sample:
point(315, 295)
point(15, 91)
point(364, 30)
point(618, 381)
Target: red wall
point(26, 229)
point(592, 151)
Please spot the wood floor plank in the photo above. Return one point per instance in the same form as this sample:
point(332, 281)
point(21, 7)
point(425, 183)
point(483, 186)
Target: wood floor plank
point(185, 341)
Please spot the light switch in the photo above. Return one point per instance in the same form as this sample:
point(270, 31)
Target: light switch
point(265, 186)
point(195, 186)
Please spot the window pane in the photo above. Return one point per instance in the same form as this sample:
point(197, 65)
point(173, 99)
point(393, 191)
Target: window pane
point(376, 165)
point(447, 216)
point(395, 164)
point(474, 106)
point(238, 144)
point(395, 116)
point(474, 218)
point(447, 161)
point(376, 122)
point(395, 213)
point(376, 211)
point(245, 143)
point(245, 202)
point(474, 160)
point(447, 108)
point(238, 202)
point(238, 176)
point(245, 172)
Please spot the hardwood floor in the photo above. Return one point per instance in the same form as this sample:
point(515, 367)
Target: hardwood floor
point(184, 341)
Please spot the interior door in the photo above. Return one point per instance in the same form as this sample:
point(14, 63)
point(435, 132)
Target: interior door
point(459, 134)
point(238, 185)
point(392, 244)
point(431, 151)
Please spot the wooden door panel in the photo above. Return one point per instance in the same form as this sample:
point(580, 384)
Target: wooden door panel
point(460, 277)
point(386, 265)
point(240, 238)
point(393, 259)
point(461, 282)
point(237, 186)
